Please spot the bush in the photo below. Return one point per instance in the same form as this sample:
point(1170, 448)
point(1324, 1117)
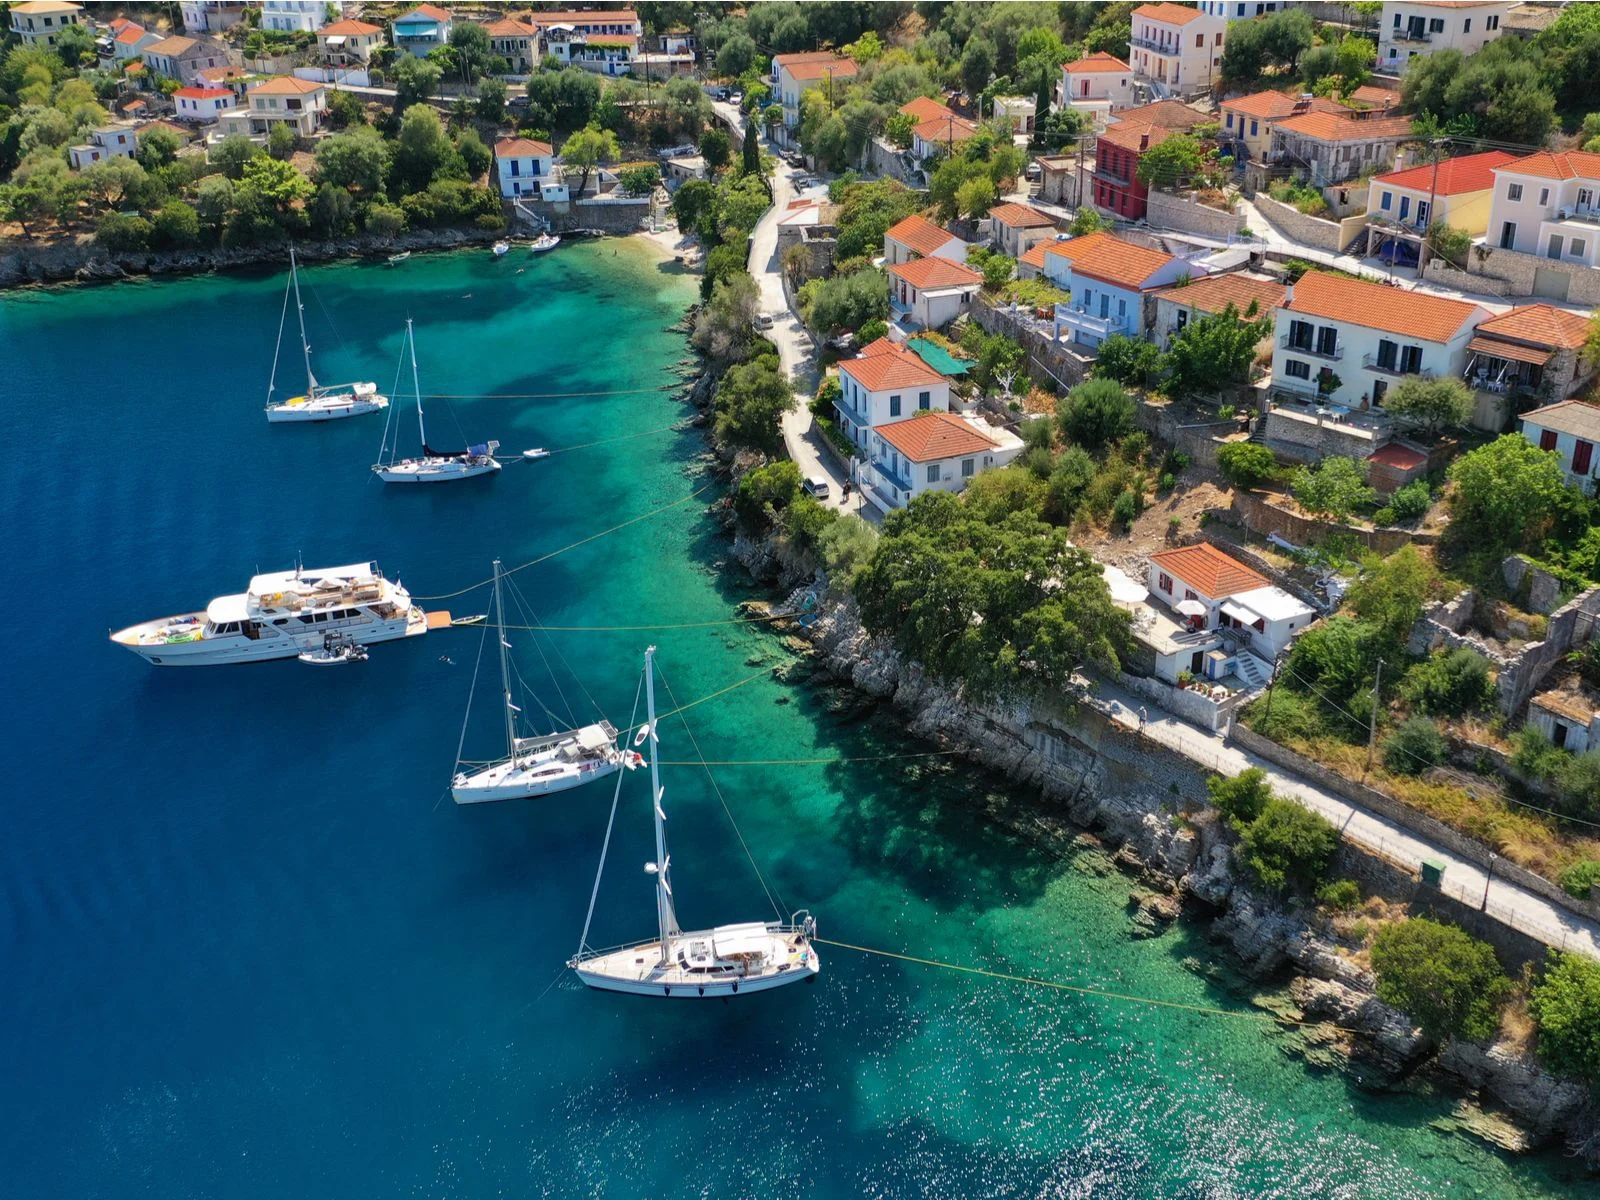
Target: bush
point(1411, 502)
point(871, 331)
point(750, 400)
point(1566, 1004)
point(1336, 487)
point(849, 301)
point(764, 493)
point(1127, 360)
point(1580, 877)
point(1126, 508)
point(122, 232)
point(1096, 413)
point(385, 220)
point(1413, 747)
point(176, 226)
point(1287, 846)
point(1446, 981)
point(846, 547)
point(1241, 798)
point(1246, 464)
point(1341, 895)
point(1449, 684)
point(1290, 716)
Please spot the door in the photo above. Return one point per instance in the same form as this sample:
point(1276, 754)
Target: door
point(1558, 735)
point(1551, 283)
point(1582, 454)
point(1508, 235)
point(1553, 250)
point(1379, 388)
point(1196, 662)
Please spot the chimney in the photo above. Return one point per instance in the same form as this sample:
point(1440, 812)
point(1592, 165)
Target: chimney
point(1144, 141)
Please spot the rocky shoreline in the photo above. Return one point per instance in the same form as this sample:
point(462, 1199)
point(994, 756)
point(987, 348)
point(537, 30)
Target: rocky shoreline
point(1078, 775)
point(27, 264)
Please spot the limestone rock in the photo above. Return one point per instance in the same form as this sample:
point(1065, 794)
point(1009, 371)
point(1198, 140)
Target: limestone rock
point(1152, 913)
point(1540, 1101)
point(1210, 878)
point(1388, 1046)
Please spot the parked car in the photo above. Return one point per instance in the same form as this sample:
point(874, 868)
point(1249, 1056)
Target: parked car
point(735, 97)
point(763, 321)
point(816, 485)
point(806, 182)
point(1033, 171)
point(843, 342)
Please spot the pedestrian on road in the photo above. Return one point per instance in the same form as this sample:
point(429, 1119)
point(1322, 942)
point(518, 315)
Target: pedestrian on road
point(1143, 717)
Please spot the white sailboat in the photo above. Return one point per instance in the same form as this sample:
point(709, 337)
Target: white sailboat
point(321, 402)
point(730, 960)
point(434, 466)
point(539, 765)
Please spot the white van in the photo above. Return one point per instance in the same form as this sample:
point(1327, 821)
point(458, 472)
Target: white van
point(816, 485)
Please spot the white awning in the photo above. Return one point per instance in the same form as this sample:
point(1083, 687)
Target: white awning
point(1239, 613)
point(335, 40)
point(749, 938)
point(226, 608)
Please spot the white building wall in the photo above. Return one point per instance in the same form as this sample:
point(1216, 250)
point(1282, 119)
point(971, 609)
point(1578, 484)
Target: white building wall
point(1356, 347)
point(1184, 58)
point(1463, 29)
point(1566, 446)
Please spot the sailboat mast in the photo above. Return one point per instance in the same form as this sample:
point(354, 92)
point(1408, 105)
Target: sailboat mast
point(505, 669)
point(300, 312)
point(665, 920)
point(416, 385)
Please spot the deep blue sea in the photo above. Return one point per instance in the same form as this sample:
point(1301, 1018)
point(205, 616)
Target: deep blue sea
point(251, 949)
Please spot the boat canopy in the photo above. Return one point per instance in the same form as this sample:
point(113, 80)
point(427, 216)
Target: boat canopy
point(732, 941)
point(594, 737)
point(227, 608)
point(307, 578)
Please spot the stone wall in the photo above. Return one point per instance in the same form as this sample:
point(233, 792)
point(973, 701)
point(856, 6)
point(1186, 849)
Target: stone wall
point(1572, 624)
point(1167, 211)
point(1537, 590)
point(1403, 815)
point(1296, 436)
point(1332, 236)
point(1200, 441)
point(885, 158)
point(1048, 360)
point(1193, 706)
point(1260, 515)
point(614, 215)
point(1514, 273)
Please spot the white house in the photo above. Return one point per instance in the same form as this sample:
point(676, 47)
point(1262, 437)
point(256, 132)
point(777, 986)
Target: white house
point(296, 16)
point(423, 29)
point(793, 74)
point(884, 383)
point(1208, 590)
point(918, 237)
point(1096, 85)
point(1571, 428)
point(604, 53)
point(591, 21)
point(116, 141)
point(941, 135)
point(1401, 205)
point(202, 105)
point(1016, 227)
point(1176, 307)
point(1175, 49)
point(1360, 338)
point(131, 41)
point(1110, 280)
point(349, 43)
point(1544, 204)
point(183, 58)
point(1417, 27)
point(39, 22)
point(931, 292)
point(934, 452)
point(1568, 718)
point(523, 166)
point(1021, 111)
point(211, 16)
point(301, 104)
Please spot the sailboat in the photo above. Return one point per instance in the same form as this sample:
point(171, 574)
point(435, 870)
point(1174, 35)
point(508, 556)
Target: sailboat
point(321, 402)
point(541, 765)
point(435, 466)
point(730, 960)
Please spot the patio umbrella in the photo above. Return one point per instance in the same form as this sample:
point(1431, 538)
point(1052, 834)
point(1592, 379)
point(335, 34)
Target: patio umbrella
point(1191, 608)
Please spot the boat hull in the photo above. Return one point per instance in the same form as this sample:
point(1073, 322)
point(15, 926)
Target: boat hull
point(637, 971)
point(236, 648)
point(434, 470)
point(503, 782)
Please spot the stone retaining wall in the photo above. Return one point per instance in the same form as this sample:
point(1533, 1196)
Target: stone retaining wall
point(1409, 818)
point(1513, 272)
point(1260, 515)
point(1192, 706)
point(1167, 211)
point(1332, 236)
point(1572, 624)
point(1048, 360)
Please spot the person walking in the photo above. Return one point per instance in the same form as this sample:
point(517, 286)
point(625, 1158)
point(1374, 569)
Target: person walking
point(1143, 717)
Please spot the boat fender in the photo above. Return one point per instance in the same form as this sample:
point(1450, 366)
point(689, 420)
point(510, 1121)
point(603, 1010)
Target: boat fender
point(735, 987)
point(665, 990)
point(702, 989)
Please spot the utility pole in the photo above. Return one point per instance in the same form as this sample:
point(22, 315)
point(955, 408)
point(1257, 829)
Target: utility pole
point(1433, 191)
point(1372, 721)
point(1487, 880)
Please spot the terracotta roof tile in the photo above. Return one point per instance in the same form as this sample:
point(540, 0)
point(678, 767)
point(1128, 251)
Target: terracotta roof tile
point(1109, 259)
point(1371, 95)
point(287, 85)
point(174, 46)
point(1208, 570)
point(1332, 127)
point(1136, 135)
point(1033, 256)
point(1269, 106)
point(883, 365)
point(1398, 456)
point(1374, 306)
point(1167, 14)
point(1021, 216)
point(349, 29)
point(926, 108)
point(1098, 63)
point(130, 33)
point(1169, 114)
point(930, 436)
point(520, 147)
point(203, 93)
point(946, 129)
point(1541, 324)
point(612, 39)
point(838, 68)
point(1568, 416)
point(920, 234)
point(1570, 164)
point(430, 11)
point(1213, 294)
point(935, 273)
point(599, 16)
point(1454, 176)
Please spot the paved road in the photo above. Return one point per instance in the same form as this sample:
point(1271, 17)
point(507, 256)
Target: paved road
point(1506, 901)
point(795, 349)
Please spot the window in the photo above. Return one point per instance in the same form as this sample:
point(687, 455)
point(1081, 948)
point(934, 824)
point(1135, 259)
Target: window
point(1253, 127)
point(1295, 369)
point(1544, 196)
point(1492, 23)
point(1229, 122)
point(1514, 191)
point(1200, 39)
point(1405, 207)
point(1384, 201)
point(1508, 235)
point(1300, 333)
point(1585, 197)
point(1581, 453)
point(1547, 439)
point(1575, 247)
point(933, 472)
point(1387, 351)
point(1380, 388)
point(1422, 214)
point(1327, 340)
point(924, 400)
point(894, 406)
point(1436, 25)
point(1164, 582)
point(1397, 20)
point(1411, 360)
point(967, 468)
point(1189, 594)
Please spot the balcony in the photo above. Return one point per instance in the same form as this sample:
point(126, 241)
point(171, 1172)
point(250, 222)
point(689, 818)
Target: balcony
point(889, 476)
point(1309, 348)
point(1113, 174)
point(1171, 49)
point(1410, 35)
point(848, 414)
point(1080, 320)
point(1373, 363)
point(1310, 407)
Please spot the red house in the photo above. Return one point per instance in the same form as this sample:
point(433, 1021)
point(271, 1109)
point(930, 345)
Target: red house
point(1119, 148)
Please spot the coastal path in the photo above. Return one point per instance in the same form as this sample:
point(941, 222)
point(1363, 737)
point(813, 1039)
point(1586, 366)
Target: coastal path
point(1498, 898)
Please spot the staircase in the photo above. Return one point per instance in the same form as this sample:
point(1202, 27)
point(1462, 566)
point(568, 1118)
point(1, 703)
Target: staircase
point(1255, 673)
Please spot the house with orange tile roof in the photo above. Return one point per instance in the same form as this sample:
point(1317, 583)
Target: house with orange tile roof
point(1017, 227)
point(301, 104)
point(39, 22)
point(886, 382)
point(1413, 28)
point(1548, 204)
point(918, 237)
point(1571, 428)
point(516, 41)
point(793, 74)
point(925, 108)
point(1031, 264)
point(1176, 50)
point(183, 58)
point(1096, 85)
point(1330, 147)
point(941, 135)
point(933, 452)
point(1252, 297)
point(1209, 591)
point(1401, 205)
point(1111, 282)
point(929, 293)
point(1535, 349)
point(1247, 121)
point(1116, 186)
point(201, 105)
point(349, 43)
point(130, 41)
point(1344, 342)
point(524, 167)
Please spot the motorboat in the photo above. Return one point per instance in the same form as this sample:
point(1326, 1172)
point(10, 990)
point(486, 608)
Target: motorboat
point(336, 650)
point(544, 242)
point(501, 249)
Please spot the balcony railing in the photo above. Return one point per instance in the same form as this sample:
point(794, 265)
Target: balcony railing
point(1333, 355)
point(850, 414)
point(1087, 322)
point(889, 475)
point(1373, 363)
point(1113, 174)
point(1154, 46)
point(1410, 35)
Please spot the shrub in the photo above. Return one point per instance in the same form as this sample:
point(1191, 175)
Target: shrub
point(764, 493)
point(846, 547)
point(1335, 488)
point(1580, 877)
point(1413, 747)
point(122, 232)
point(1287, 846)
point(1126, 508)
point(1411, 502)
point(385, 220)
point(849, 301)
point(1096, 413)
point(1341, 895)
point(1246, 464)
point(1433, 403)
point(1507, 494)
point(1126, 359)
point(1392, 594)
point(176, 225)
point(1448, 982)
point(1241, 798)
point(1287, 715)
point(1566, 1004)
point(1449, 684)
point(871, 331)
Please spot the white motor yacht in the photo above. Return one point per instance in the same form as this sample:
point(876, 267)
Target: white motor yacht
point(284, 614)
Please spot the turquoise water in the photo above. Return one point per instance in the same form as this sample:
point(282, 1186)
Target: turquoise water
point(252, 949)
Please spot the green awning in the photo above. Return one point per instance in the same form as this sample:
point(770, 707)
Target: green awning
point(937, 357)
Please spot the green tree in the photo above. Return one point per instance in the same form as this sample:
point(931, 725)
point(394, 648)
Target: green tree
point(355, 161)
point(384, 220)
point(110, 181)
point(281, 142)
point(1445, 980)
point(723, 328)
point(975, 197)
point(415, 79)
point(1336, 487)
point(1096, 413)
point(122, 232)
point(279, 183)
point(1246, 464)
point(176, 226)
point(213, 202)
point(474, 52)
point(764, 493)
point(1566, 1004)
point(1132, 361)
point(737, 55)
point(420, 150)
point(232, 153)
point(640, 180)
point(1213, 352)
point(1450, 683)
point(1086, 220)
point(75, 45)
point(977, 65)
point(1392, 595)
point(331, 211)
point(693, 199)
point(475, 156)
point(847, 302)
point(158, 147)
point(1241, 798)
point(750, 400)
point(750, 153)
point(491, 103)
point(587, 149)
point(847, 546)
point(345, 109)
point(1287, 847)
point(1171, 162)
point(716, 147)
point(1414, 746)
point(1506, 494)
point(1435, 404)
point(1244, 53)
point(898, 129)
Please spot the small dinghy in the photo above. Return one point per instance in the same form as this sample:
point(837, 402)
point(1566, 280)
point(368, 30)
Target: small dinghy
point(396, 259)
point(336, 650)
point(501, 249)
point(535, 452)
point(544, 242)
